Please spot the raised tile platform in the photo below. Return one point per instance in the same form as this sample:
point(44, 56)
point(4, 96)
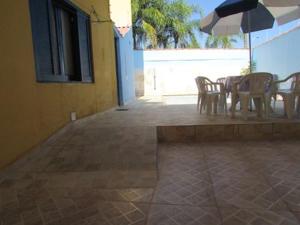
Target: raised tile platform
point(230, 132)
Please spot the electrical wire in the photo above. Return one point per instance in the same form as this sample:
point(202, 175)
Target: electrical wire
point(92, 11)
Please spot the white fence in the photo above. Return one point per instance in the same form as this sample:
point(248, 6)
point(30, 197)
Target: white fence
point(173, 72)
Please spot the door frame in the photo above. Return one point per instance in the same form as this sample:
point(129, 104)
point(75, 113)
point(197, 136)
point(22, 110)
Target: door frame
point(118, 64)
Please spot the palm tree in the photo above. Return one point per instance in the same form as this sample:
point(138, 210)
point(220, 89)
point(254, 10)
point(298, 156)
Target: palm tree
point(181, 28)
point(146, 16)
point(249, 69)
point(163, 24)
point(220, 41)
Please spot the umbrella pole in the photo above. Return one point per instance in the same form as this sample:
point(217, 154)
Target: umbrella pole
point(249, 34)
point(250, 64)
point(250, 53)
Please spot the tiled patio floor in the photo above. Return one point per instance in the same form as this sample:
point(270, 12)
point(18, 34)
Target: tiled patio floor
point(204, 184)
point(106, 170)
point(173, 110)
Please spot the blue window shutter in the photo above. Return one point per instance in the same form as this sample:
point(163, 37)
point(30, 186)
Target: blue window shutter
point(84, 47)
point(39, 10)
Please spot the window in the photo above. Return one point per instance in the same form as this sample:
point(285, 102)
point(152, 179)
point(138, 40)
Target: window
point(61, 39)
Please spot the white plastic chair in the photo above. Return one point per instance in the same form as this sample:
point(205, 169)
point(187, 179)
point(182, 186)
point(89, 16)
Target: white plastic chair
point(256, 86)
point(209, 93)
point(289, 95)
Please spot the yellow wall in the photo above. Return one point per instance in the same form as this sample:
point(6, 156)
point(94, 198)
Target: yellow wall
point(30, 111)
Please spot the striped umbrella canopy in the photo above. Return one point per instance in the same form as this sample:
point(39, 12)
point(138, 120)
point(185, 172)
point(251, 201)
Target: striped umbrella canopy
point(230, 7)
point(232, 16)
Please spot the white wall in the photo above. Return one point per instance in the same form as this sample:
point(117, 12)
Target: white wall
point(173, 72)
point(280, 55)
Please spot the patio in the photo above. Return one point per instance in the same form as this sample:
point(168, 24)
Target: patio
point(111, 169)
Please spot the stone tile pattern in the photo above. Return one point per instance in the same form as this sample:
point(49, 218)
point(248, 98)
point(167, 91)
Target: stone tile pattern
point(228, 183)
point(103, 170)
point(229, 132)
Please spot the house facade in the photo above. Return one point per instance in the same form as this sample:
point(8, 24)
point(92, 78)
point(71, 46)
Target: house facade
point(57, 60)
point(120, 12)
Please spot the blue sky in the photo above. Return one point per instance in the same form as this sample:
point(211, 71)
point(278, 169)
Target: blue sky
point(257, 37)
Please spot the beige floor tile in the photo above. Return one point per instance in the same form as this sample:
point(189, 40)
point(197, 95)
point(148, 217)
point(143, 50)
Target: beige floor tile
point(238, 216)
point(183, 177)
point(116, 213)
point(297, 215)
point(103, 170)
point(288, 190)
point(182, 215)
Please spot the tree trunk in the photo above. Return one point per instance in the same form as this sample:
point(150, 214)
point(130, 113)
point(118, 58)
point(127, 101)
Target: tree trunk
point(134, 39)
point(246, 41)
point(165, 44)
point(175, 42)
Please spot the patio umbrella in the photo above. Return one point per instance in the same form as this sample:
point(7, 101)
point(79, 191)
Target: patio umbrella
point(259, 18)
point(291, 10)
point(231, 7)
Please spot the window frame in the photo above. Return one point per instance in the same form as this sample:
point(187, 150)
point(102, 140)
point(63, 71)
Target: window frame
point(57, 75)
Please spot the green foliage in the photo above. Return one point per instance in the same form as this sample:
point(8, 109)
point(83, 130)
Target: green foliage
point(221, 41)
point(164, 24)
point(247, 69)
